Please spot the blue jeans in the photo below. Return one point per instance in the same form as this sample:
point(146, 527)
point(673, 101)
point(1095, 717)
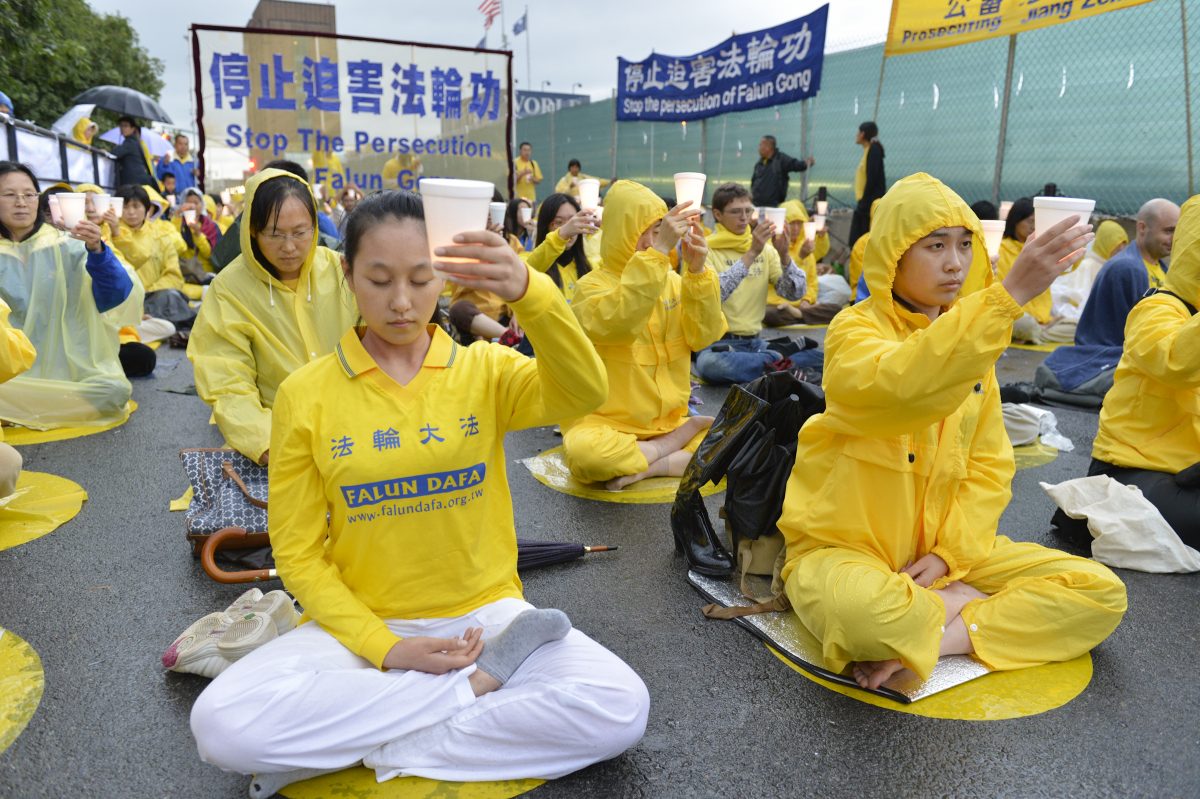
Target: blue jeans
point(741, 360)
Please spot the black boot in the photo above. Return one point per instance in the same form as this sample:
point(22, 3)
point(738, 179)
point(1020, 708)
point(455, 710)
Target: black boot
point(693, 531)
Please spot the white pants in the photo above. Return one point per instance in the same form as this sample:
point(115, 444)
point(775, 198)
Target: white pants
point(305, 701)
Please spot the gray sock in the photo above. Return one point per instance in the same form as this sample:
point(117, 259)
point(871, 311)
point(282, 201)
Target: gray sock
point(264, 786)
point(504, 653)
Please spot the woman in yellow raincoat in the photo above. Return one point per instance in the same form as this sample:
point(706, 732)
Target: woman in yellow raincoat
point(84, 130)
point(277, 306)
point(1150, 423)
point(70, 295)
point(645, 321)
point(891, 510)
point(561, 229)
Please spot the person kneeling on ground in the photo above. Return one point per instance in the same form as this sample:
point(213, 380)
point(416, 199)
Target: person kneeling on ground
point(646, 321)
point(279, 305)
point(913, 421)
point(746, 266)
point(70, 295)
point(1150, 424)
point(420, 657)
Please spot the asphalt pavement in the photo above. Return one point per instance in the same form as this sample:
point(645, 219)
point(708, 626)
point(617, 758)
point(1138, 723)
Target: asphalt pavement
point(100, 598)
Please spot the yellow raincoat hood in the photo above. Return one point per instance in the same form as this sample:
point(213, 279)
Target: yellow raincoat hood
point(796, 212)
point(257, 269)
point(629, 208)
point(912, 209)
point(79, 132)
point(1109, 235)
point(1183, 278)
point(253, 331)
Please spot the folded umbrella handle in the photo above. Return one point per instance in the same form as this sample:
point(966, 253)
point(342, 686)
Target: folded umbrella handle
point(234, 538)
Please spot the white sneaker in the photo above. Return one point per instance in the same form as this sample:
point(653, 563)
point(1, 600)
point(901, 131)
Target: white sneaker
point(195, 651)
point(245, 603)
point(280, 606)
point(244, 635)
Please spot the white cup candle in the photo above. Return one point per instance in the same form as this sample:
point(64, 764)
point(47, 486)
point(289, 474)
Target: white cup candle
point(225, 196)
point(1049, 211)
point(55, 210)
point(73, 207)
point(819, 221)
point(171, 200)
point(689, 186)
point(993, 234)
point(1005, 207)
point(777, 216)
point(810, 231)
point(589, 193)
point(526, 214)
point(100, 203)
point(189, 216)
point(452, 207)
point(117, 204)
point(599, 212)
point(822, 207)
point(496, 213)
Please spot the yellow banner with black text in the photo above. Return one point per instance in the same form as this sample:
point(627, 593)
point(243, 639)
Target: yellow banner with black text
point(921, 25)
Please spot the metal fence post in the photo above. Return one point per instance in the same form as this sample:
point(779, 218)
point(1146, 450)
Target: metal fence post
point(1187, 92)
point(613, 146)
point(1008, 73)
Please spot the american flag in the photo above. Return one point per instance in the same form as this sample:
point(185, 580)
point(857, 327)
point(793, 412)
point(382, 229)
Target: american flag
point(490, 10)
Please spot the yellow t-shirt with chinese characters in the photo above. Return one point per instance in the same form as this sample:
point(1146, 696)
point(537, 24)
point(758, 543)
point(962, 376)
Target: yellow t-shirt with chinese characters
point(525, 187)
point(391, 501)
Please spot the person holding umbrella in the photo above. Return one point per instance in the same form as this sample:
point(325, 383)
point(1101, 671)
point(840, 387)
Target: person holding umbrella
point(133, 159)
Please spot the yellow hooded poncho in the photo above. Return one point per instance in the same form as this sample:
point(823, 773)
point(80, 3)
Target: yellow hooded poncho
point(796, 212)
point(644, 319)
point(77, 378)
point(1109, 236)
point(81, 133)
point(910, 456)
point(1151, 415)
point(151, 249)
point(253, 331)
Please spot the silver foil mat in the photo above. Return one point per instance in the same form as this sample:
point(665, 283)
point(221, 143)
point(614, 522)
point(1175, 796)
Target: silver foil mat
point(785, 632)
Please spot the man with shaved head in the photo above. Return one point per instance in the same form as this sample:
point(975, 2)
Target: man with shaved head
point(1086, 370)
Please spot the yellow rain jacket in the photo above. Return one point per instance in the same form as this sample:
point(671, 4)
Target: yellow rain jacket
point(167, 230)
point(80, 131)
point(77, 378)
point(1040, 307)
point(16, 350)
point(1151, 415)
point(253, 331)
point(526, 189)
point(910, 458)
point(796, 212)
point(544, 256)
point(151, 254)
point(645, 321)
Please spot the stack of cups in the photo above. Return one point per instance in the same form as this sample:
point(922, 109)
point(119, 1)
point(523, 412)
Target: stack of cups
point(100, 203)
point(689, 187)
point(777, 216)
point(589, 194)
point(452, 207)
point(822, 207)
point(55, 210)
point(1049, 211)
point(496, 213)
point(73, 207)
point(993, 234)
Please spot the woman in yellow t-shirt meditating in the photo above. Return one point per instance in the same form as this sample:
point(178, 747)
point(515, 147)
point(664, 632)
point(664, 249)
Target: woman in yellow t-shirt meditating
point(392, 524)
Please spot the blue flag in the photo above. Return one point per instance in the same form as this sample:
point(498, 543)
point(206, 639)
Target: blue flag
point(519, 25)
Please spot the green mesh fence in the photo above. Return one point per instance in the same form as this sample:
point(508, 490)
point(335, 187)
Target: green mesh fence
point(1097, 107)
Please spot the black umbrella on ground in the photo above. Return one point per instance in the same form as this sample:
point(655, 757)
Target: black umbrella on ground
point(123, 100)
point(533, 554)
